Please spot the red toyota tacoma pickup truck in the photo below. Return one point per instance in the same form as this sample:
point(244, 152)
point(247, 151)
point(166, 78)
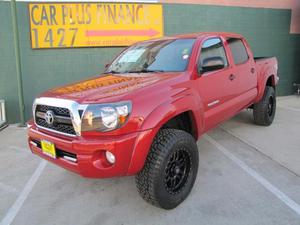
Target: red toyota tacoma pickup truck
point(144, 114)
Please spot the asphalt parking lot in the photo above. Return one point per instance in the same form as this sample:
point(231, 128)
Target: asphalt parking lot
point(247, 175)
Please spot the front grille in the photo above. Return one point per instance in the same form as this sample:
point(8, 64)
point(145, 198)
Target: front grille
point(57, 110)
point(62, 119)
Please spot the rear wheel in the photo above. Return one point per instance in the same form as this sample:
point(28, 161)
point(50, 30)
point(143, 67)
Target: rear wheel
point(264, 111)
point(170, 169)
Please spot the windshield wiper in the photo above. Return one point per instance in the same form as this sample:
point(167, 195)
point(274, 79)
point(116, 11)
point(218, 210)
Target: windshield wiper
point(111, 71)
point(145, 71)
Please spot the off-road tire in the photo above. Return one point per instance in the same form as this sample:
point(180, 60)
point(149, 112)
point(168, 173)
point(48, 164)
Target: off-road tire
point(264, 111)
point(154, 181)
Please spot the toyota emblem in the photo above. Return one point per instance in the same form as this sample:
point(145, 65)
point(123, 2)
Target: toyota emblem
point(49, 117)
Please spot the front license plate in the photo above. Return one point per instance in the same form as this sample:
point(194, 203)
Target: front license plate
point(48, 148)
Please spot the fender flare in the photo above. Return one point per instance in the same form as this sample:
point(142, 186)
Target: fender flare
point(156, 119)
point(262, 83)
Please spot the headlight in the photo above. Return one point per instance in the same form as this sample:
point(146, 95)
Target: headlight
point(105, 117)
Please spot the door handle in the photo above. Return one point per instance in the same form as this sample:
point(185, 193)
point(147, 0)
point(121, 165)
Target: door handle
point(231, 77)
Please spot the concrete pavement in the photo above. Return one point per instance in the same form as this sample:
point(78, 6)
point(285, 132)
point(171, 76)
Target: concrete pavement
point(281, 141)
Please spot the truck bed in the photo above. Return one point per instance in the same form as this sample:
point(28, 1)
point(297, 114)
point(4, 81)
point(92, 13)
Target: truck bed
point(264, 64)
point(256, 59)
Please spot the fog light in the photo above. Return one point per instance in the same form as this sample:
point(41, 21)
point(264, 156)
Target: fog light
point(110, 157)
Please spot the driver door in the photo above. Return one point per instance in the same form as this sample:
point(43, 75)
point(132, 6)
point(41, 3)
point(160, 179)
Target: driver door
point(216, 82)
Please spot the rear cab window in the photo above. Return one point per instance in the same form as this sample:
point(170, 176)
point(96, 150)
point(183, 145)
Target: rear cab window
point(238, 50)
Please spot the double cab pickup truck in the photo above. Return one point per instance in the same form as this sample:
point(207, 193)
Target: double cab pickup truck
point(144, 114)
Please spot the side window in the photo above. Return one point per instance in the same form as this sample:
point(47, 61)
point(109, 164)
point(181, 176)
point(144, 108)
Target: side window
point(212, 56)
point(238, 50)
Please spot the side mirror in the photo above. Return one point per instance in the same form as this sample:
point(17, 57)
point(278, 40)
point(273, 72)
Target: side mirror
point(211, 64)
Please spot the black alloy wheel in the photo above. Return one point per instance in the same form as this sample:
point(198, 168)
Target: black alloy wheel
point(177, 171)
point(264, 110)
point(170, 169)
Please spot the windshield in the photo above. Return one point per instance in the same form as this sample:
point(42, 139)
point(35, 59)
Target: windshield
point(156, 56)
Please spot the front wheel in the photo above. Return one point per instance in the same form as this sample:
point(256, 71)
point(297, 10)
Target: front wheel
point(170, 169)
point(264, 111)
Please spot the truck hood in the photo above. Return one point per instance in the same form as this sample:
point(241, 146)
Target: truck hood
point(106, 87)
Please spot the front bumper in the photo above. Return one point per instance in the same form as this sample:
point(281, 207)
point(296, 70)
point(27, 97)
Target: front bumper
point(89, 152)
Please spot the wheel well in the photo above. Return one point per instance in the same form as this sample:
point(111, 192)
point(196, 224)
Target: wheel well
point(270, 81)
point(184, 121)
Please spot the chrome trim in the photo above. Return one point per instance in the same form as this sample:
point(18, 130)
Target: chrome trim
point(70, 158)
point(213, 103)
point(33, 143)
point(73, 107)
point(59, 119)
point(40, 115)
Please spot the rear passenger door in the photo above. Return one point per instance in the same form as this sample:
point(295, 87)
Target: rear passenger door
point(244, 71)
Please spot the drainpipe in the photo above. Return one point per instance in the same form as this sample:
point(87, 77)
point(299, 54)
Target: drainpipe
point(18, 61)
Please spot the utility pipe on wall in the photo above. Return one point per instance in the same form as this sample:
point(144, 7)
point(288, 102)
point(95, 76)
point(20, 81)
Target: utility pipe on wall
point(18, 60)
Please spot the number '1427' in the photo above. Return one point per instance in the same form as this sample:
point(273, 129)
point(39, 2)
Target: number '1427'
point(54, 38)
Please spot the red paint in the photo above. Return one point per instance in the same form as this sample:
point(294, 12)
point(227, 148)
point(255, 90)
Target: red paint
point(156, 98)
point(95, 33)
